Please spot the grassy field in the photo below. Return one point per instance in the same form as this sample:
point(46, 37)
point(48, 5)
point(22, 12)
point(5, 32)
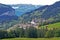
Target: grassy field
point(54, 25)
point(32, 39)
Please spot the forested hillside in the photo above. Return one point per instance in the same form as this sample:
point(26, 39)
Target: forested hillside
point(7, 15)
point(43, 22)
point(50, 13)
point(21, 9)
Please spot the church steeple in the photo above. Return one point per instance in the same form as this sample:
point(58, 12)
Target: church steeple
point(33, 22)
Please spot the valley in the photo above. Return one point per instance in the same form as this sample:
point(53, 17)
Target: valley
point(30, 22)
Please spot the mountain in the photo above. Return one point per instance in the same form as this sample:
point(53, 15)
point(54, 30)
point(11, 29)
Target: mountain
point(7, 13)
point(7, 16)
point(47, 12)
point(23, 8)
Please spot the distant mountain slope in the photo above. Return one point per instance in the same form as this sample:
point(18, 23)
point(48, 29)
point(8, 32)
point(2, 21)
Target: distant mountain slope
point(7, 16)
point(23, 8)
point(7, 13)
point(47, 12)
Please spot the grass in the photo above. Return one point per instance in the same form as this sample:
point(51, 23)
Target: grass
point(32, 39)
point(54, 25)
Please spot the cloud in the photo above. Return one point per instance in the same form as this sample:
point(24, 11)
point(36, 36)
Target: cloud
point(15, 7)
point(35, 2)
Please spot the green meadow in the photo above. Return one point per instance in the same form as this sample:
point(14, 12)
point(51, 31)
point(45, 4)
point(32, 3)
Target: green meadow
point(32, 39)
point(54, 25)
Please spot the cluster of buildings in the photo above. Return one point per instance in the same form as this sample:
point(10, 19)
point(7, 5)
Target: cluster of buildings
point(27, 25)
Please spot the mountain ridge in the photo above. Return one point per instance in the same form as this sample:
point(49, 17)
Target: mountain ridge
point(47, 12)
point(21, 9)
point(7, 13)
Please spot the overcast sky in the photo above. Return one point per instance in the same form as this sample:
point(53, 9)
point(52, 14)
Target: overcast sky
point(35, 2)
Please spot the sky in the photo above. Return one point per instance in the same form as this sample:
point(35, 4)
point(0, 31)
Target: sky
point(34, 2)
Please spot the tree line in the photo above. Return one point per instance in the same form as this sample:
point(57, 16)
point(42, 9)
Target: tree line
point(31, 32)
